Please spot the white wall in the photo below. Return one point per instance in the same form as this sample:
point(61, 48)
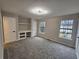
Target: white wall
point(34, 27)
point(77, 48)
point(1, 38)
point(52, 30)
point(77, 43)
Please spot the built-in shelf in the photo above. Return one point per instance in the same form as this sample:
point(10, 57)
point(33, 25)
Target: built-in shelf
point(24, 34)
point(24, 23)
point(24, 27)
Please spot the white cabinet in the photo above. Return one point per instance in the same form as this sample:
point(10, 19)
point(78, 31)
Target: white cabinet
point(24, 34)
point(24, 27)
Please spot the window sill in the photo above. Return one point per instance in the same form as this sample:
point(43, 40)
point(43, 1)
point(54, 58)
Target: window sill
point(65, 38)
point(42, 32)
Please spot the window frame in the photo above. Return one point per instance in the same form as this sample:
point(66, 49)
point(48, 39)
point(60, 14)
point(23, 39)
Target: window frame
point(64, 33)
point(44, 26)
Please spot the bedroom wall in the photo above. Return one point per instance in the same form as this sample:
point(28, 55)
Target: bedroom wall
point(18, 17)
point(52, 29)
point(77, 42)
point(1, 38)
point(34, 27)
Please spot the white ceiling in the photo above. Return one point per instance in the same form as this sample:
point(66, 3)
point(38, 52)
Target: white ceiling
point(56, 7)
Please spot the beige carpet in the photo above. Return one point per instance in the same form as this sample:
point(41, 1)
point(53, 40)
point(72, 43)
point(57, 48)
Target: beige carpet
point(39, 48)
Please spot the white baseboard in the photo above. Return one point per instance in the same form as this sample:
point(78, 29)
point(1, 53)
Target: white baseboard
point(77, 55)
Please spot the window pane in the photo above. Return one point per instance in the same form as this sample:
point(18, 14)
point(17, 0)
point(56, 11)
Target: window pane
point(61, 35)
point(42, 29)
point(68, 36)
point(41, 26)
point(66, 29)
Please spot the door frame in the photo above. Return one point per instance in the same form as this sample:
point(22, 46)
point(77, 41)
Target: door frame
point(9, 15)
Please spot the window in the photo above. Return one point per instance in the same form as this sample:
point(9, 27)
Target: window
point(66, 29)
point(41, 26)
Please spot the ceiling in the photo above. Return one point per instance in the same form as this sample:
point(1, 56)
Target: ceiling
point(56, 7)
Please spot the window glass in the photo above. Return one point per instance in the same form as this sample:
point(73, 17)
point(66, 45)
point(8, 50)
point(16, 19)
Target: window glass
point(66, 29)
point(41, 26)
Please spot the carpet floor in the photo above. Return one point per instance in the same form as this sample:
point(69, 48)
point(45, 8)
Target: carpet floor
point(38, 48)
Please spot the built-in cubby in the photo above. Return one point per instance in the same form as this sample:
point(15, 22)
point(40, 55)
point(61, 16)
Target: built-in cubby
point(24, 27)
point(24, 34)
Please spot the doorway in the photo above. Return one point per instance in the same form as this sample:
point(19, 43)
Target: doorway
point(9, 26)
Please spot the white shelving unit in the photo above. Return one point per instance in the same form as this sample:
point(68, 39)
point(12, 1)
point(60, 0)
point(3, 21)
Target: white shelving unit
point(24, 28)
point(24, 23)
point(24, 34)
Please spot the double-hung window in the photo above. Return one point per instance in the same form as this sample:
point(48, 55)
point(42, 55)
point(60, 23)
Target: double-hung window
point(42, 26)
point(66, 29)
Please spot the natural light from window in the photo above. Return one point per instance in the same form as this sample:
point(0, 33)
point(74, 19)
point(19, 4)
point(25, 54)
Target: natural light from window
point(42, 26)
point(66, 29)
